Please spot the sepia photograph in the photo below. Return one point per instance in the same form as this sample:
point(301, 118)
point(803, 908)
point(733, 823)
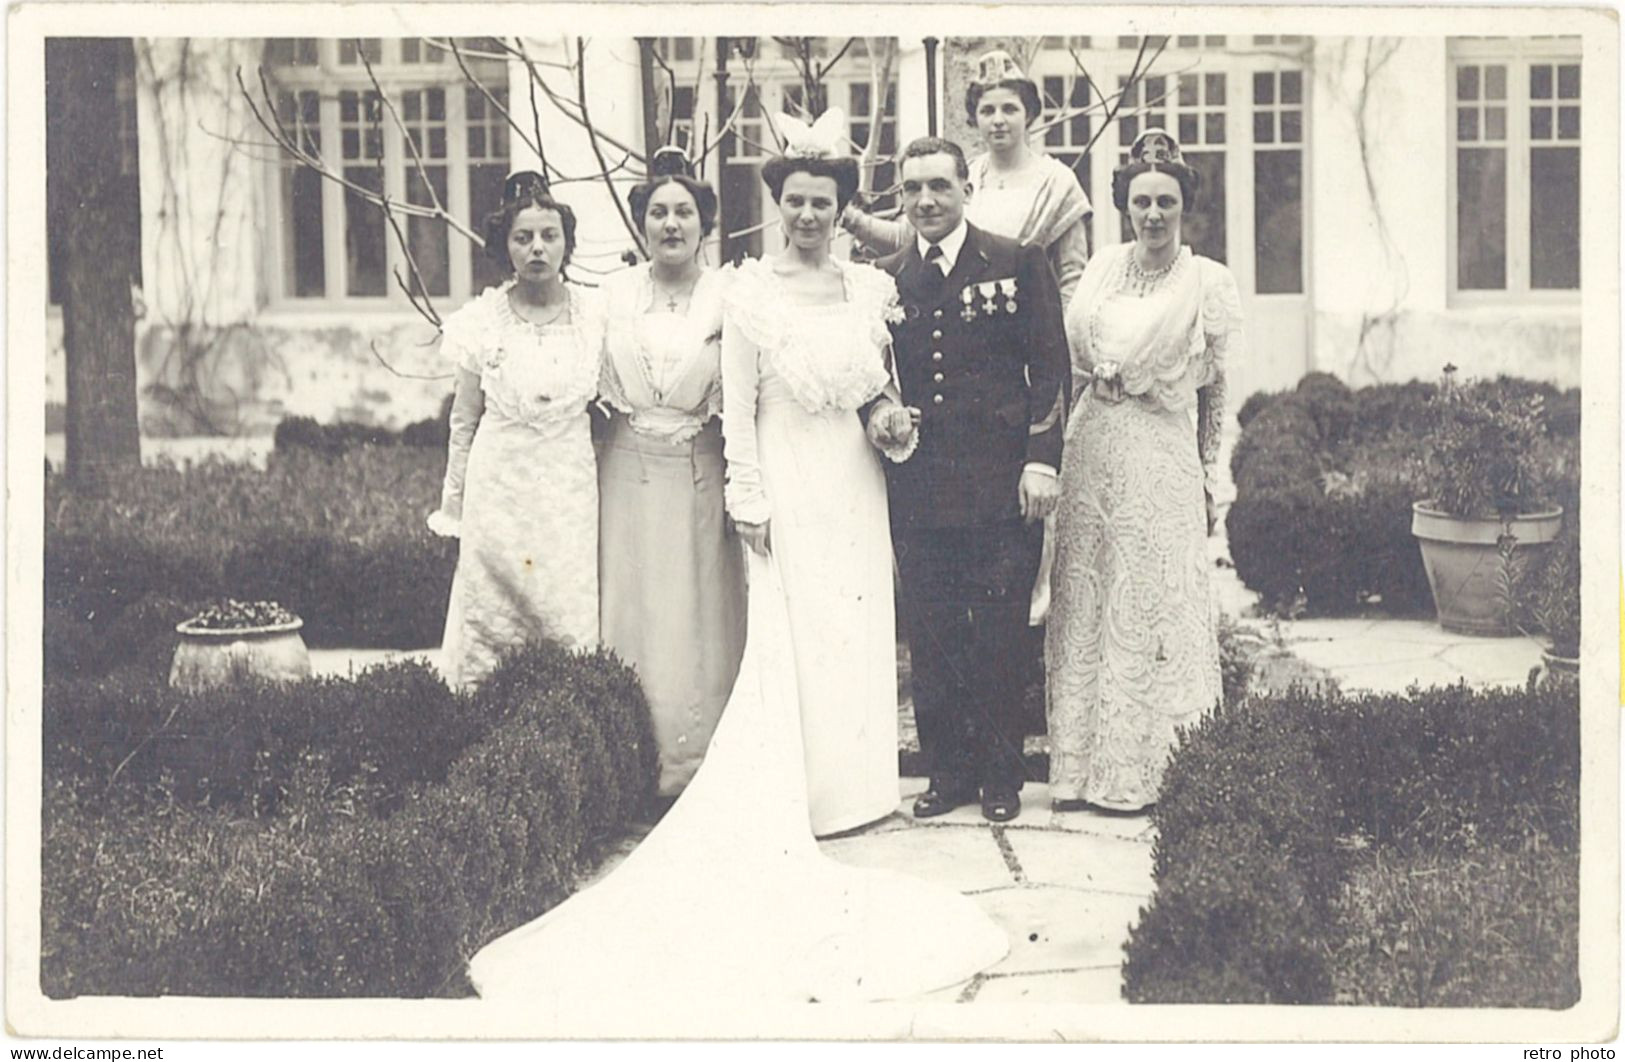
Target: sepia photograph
point(545, 522)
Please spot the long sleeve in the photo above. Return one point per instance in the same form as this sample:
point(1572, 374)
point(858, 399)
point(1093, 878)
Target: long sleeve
point(1222, 327)
point(467, 407)
point(877, 234)
point(744, 493)
point(1048, 371)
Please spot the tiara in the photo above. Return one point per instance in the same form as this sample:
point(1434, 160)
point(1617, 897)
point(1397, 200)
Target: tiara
point(1155, 145)
point(820, 140)
point(670, 160)
point(997, 66)
point(525, 184)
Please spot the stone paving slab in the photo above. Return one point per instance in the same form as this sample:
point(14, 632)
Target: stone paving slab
point(1099, 985)
point(1082, 861)
point(963, 858)
point(1057, 929)
point(1363, 651)
point(1504, 661)
point(1394, 678)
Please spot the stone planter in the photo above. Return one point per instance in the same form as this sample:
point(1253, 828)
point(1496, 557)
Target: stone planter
point(1464, 564)
point(207, 657)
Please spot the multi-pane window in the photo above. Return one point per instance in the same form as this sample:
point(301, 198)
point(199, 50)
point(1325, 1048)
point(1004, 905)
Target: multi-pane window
point(1197, 103)
point(860, 100)
point(1277, 107)
point(1069, 126)
point(429, 139)
point(1516, 159)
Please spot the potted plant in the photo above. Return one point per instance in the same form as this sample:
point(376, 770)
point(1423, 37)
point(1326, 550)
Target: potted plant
point(239, 639)
point(1487, 466)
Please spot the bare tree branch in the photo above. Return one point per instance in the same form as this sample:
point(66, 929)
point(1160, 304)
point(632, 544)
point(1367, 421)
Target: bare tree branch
point(408, 375)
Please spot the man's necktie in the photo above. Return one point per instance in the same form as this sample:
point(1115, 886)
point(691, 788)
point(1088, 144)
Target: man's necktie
point(931, 280)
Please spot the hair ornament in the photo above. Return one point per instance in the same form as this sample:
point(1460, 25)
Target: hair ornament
point(1155, 145)
point(997, 66)
point(824, 139)
point(670, 161)
point(525, 184)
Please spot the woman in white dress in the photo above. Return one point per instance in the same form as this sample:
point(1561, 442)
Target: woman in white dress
point(729, 901)
point(521, 484)
point(804, 344)
point(1132, 644)
point(671, 575)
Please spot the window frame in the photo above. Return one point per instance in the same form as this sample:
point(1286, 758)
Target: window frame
point(1517, 54)
point(329, 77)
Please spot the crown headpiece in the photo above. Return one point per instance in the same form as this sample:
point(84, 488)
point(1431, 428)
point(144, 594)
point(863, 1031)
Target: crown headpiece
point(1155, 145)
point(824, 139)
point(523, 185)
point(997, 66)
point(670, 160)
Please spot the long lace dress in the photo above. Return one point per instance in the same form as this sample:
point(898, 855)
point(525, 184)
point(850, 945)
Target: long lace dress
point(1131, 644)
point(728, 908)
point(521, 485)
point(671, 576)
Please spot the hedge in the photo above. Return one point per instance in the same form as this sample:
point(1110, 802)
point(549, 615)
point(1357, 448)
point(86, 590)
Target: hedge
point(1325, 478)
point(369, 853)
point(339, 540)
point(332, 440)
point(1308, 839)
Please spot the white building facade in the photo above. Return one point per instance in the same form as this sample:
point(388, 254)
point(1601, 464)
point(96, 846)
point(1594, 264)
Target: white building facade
point(1387, 205)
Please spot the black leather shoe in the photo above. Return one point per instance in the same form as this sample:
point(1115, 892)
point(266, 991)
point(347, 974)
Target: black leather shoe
point(934, 802)
point(1000, 806)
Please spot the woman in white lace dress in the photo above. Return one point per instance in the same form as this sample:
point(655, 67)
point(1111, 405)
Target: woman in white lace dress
point(671, 575)
point(521, 485)
point(1131, 647)
point(728, 910)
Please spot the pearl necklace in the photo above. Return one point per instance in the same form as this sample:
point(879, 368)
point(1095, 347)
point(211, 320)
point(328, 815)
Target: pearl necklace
point(1141, 281)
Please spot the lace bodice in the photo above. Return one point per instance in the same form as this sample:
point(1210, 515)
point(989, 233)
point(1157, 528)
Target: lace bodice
point(828, 359)
point(542, 376)
point(831, 356)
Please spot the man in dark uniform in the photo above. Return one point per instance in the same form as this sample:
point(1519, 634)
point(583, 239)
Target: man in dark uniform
point(982, 362)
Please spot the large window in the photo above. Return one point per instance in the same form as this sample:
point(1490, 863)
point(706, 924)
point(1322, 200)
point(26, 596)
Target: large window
point(450, 146)
point(1515, 161)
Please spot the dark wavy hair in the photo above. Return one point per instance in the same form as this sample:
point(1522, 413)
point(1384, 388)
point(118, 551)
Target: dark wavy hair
point(705, 198)
point(1026, 90)
point(843, 171)
point(921, 146)
point(1190, 181)
point(500, 222)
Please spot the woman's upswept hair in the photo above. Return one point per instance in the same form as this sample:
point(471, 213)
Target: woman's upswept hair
point(1190, 181)
point(843, 170)
point(1026, 90)
point(705, 198)
point(521, 192)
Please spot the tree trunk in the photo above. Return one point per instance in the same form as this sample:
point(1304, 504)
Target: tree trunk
point(89, 161)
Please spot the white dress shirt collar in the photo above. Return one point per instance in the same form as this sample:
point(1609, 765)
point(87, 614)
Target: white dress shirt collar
point(951, 245)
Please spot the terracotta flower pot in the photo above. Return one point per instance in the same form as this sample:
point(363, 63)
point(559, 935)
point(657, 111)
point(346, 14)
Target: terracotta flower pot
point(209, 657)
point(1464, 565)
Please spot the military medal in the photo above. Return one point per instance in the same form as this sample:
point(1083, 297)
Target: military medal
point(988, 291)
point(968, 313)
point(1010, 299)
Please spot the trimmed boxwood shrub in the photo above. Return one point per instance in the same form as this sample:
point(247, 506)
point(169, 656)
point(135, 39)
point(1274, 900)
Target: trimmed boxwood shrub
point(367, 855)
point(339, 540)
point(1298, 833)
point(1325, 477)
